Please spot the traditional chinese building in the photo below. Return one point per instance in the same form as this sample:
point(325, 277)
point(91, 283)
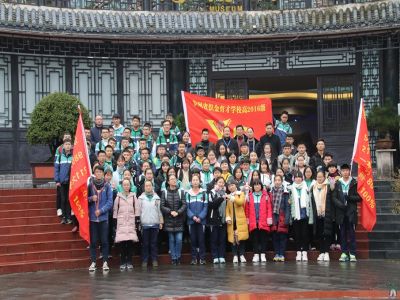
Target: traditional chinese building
point(314, 58)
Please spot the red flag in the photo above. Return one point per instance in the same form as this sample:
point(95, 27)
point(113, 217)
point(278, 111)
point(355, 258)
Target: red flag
point(365, 187)
point(80, 172)
point(214, 114)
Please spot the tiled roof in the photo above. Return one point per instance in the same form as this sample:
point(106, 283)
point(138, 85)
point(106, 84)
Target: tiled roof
point(81, 23)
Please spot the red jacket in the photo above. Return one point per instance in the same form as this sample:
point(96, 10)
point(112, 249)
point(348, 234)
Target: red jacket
point(265, 216)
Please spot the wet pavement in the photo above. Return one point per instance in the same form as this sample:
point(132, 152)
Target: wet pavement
point(185, 280)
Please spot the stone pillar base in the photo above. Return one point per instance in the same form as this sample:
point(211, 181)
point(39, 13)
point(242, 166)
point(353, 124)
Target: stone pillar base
point(384, 163)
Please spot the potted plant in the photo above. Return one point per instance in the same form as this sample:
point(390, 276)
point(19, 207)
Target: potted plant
point(385, 120)
point(53, 115)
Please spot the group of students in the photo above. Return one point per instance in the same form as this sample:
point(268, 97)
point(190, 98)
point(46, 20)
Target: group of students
point(235, 190)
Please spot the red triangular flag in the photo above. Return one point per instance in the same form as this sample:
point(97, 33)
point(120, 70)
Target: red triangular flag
point(80, 172)
point(365, 187)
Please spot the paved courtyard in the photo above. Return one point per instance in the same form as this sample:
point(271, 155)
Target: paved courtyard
point(185, 280)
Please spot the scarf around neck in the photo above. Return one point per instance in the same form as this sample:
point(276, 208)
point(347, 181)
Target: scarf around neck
point(320, 191)
point(277, 194)
point(300, 201)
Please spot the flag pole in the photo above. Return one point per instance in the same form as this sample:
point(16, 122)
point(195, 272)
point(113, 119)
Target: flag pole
point(357, 134)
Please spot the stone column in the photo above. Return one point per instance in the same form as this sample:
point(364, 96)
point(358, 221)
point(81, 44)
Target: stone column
point(385, 163)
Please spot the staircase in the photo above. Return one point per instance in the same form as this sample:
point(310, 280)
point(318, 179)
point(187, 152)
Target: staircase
point(20, 181)
point(31, 235)
point(385, 237)
point(32, 238)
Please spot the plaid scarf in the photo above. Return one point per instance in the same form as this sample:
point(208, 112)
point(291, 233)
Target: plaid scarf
point(277, 194)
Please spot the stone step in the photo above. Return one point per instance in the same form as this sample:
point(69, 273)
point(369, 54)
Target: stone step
point(44, 255)
point(387, 195)
point(384, 235)
point(28, 191)
point(9, 221)
point(387, 217)
point(59, 235)
point(394, 226)
point(37, 228)
point(27, 205)
point(384, 244)
point(42, 212)
point(72, 242)
point(384, 254)
point(27, 176)
point(384, 188)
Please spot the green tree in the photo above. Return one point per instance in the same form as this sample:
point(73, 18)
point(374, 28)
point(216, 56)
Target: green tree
point(52, 116)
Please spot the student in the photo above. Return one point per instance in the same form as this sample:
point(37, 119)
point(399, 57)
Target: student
point(59, 150)
point(232, 160)
point(109, 161)
point(259, 215)
point(197, 202)
point(265, 174)
point(302, 215)
point(200, 156)
point(290, 141)
point(282, 127)
point(286, 153)
point(118, 127)
point(316, 160)
point(167, 138)
point(213, 160)
point(287, 172)
point(149, 138)
point(100, 198)
point(309, 177)
point(281, 218)
point(95, 132)
point(174, 129)
point(245, 166)
point(285, 184)
point(237, 229)
point(346, 213)
point(176, 160)
point(207, 145)
point(151, 221)
point(136, 132)
point(162, 174)
point(333, 177)
point(187, 142)
point(128, 176)
point(217, 172)
point(270, 157)
point(185, 175)
point(206, 174)
point(221, 153)
point(160, 152)
point(322, 199)
point(225, 170)
point(216, 220)
point(126, 212)
point(238, 176)
point(62, 172)
point(254, 165)
point(300, 165)
point(148, 176)
point(269, 138)
point(171, 171)
point(244, 152)
point(173, 206)
point(101, 145)
point(302, 151)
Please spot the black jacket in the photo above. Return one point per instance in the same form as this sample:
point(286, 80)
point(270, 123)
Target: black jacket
point(315, 161)
point(231, 144)
point(273, 140)
point(173, 201)
point(207, 145)
point(331, 197)
point(213, 216)
point(346, 205)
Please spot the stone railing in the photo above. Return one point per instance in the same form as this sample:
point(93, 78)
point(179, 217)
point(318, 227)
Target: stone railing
point(187, 5)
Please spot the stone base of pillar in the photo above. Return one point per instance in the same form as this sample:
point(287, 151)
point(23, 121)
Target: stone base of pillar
point(384, 163)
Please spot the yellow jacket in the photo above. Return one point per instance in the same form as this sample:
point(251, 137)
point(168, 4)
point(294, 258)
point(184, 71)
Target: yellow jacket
point(238, 205)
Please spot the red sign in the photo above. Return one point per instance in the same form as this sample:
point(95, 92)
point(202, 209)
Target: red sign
point(80, 172)
point(214, 114)
point(362, 157)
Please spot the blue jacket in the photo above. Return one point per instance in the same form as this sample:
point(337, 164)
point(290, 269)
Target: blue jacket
point(105, 200)
point(197, 206)
point(62, 167)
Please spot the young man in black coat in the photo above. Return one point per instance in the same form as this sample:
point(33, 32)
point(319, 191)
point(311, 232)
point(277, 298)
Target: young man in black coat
point(271, 138)
point(346, 213)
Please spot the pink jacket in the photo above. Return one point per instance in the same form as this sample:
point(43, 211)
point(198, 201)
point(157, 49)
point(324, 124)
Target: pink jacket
point(265, 216)
point(125, 211)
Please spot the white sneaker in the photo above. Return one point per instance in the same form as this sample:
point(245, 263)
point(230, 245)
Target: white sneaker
point(235, 259)
point(326, 257)
point(304, 256)
point(221, 260)
point(298, 256)
point(263, 258)
point(92, 267)
point(256, 258)
point(321, 257)
point(215, 261)
point(242, 259)
point(105, 266)
point(59, 212)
